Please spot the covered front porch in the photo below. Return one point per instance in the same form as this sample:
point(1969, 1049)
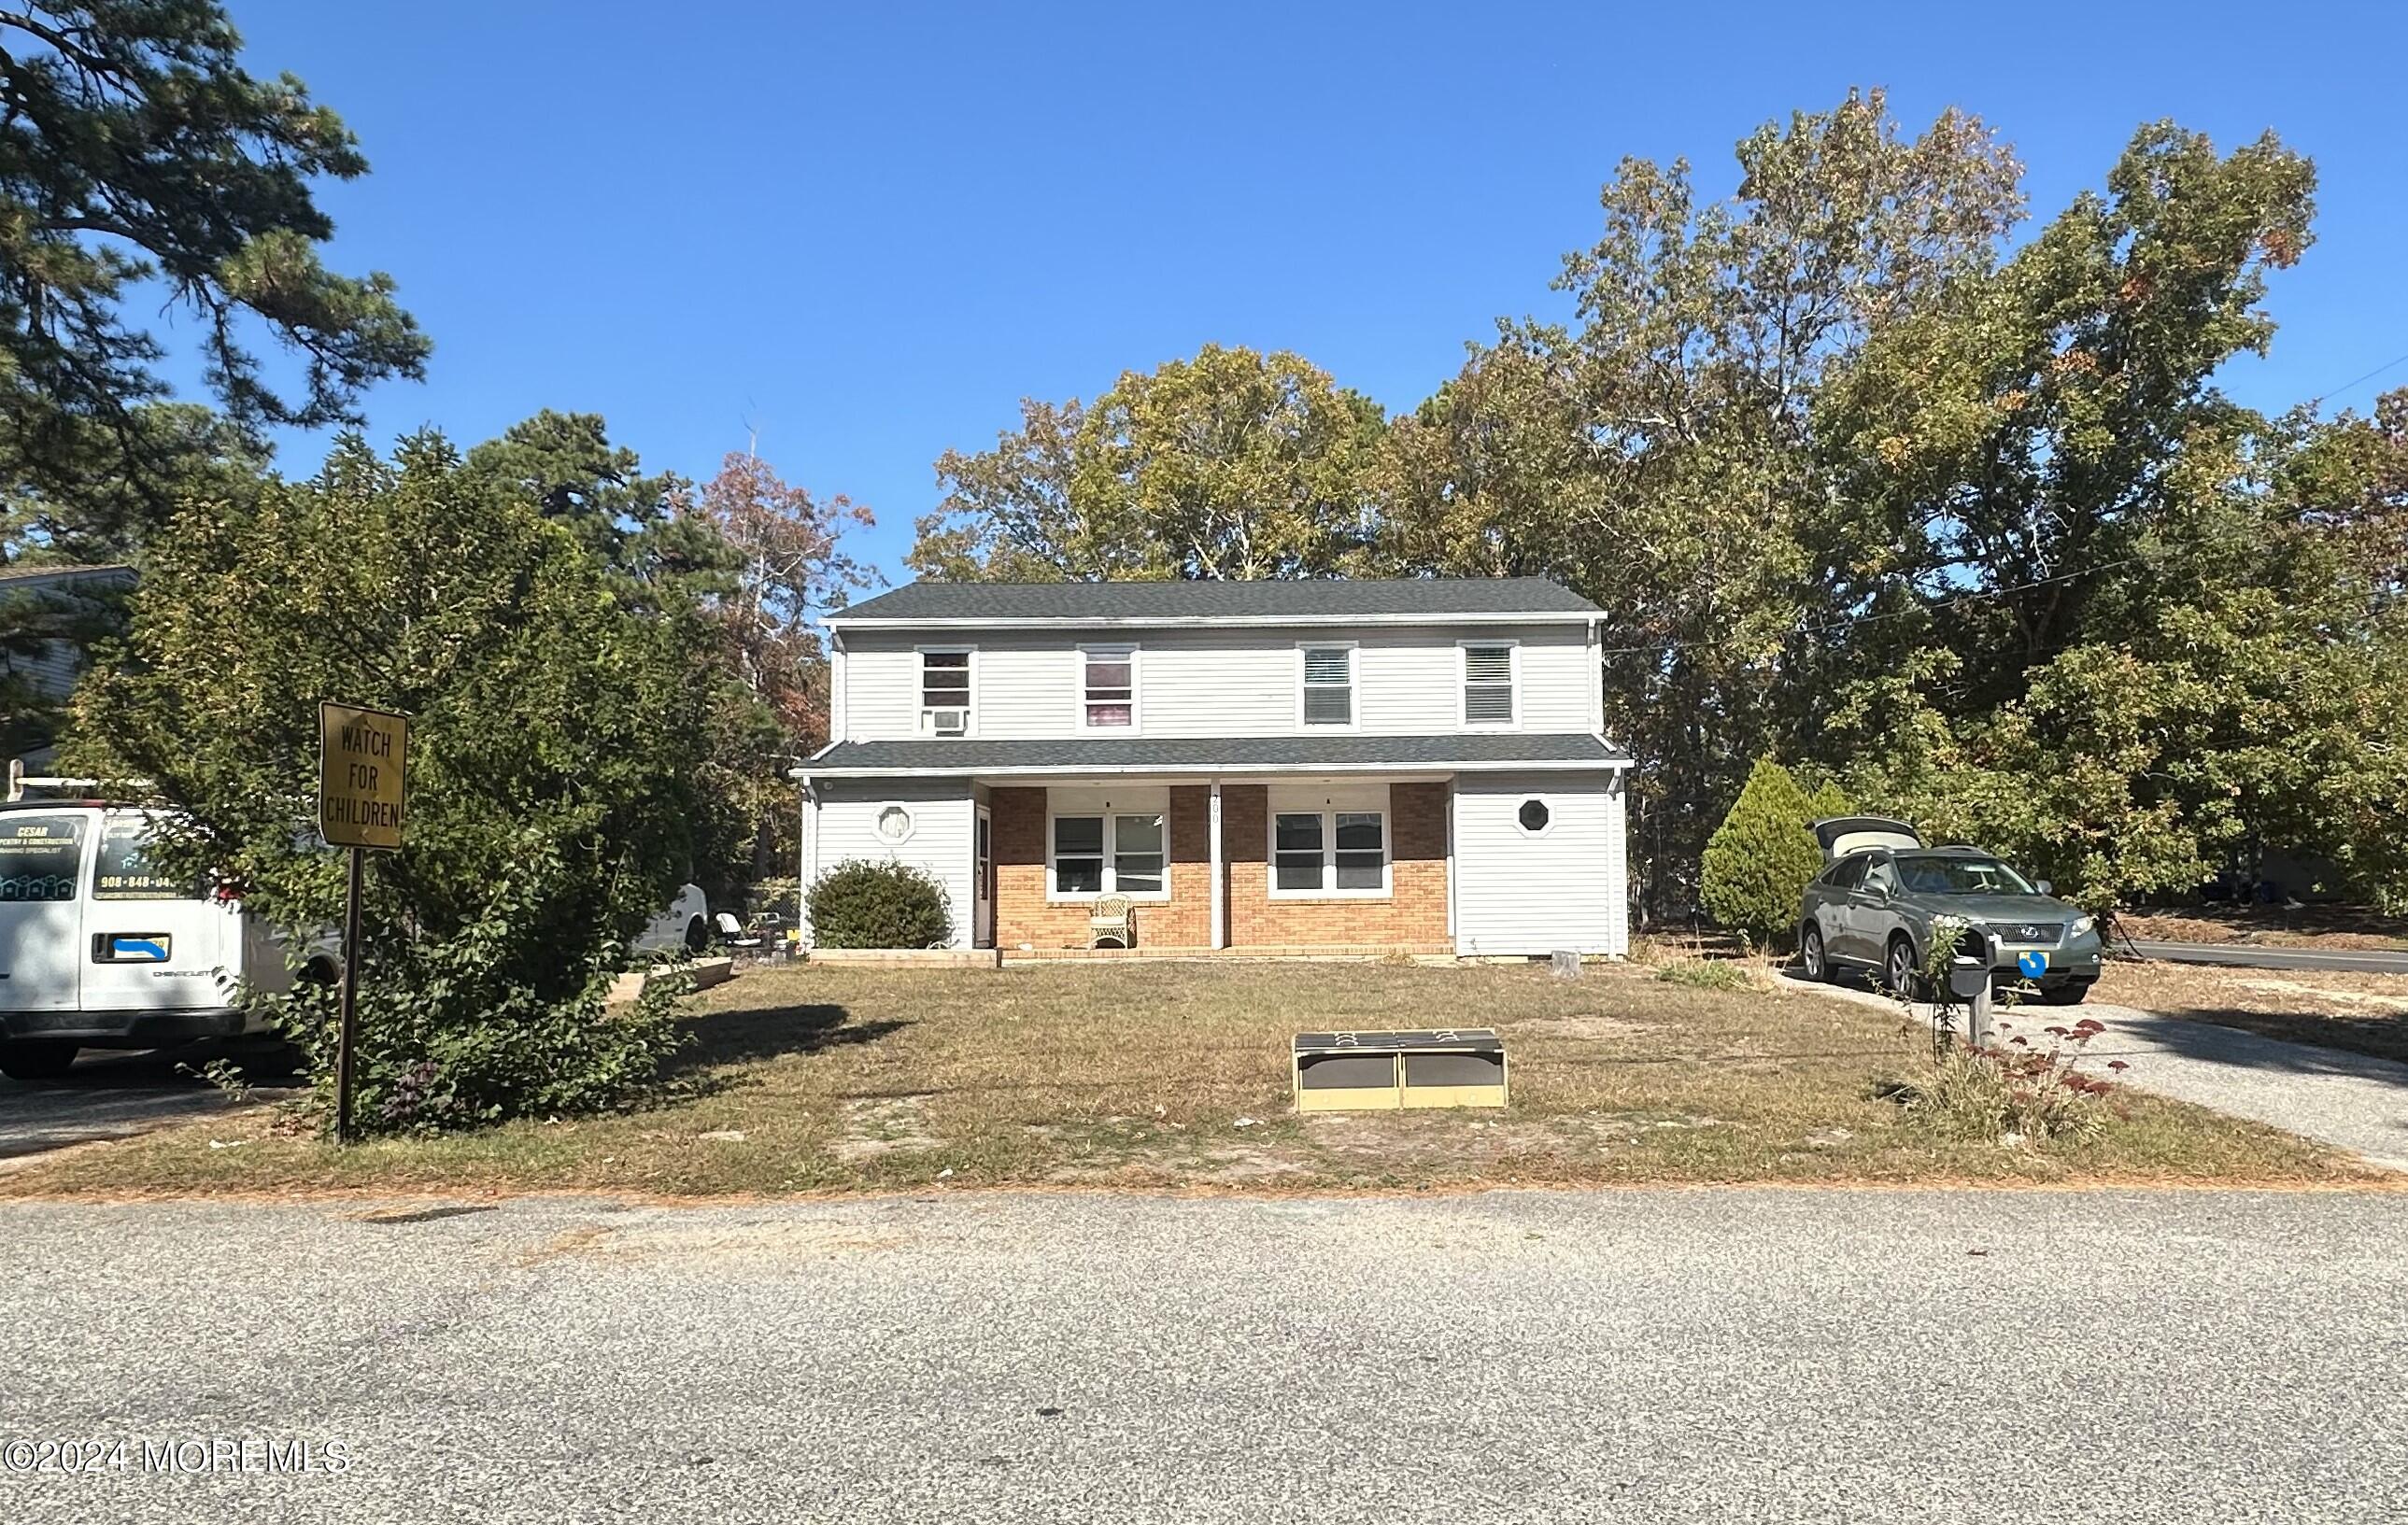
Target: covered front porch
point(1303, 864)
point(1486, 845)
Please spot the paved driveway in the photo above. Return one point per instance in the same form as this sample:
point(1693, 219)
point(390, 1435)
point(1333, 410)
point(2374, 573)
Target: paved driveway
point(107, 1095)
point(1718, 1355)
point(2351, 1100)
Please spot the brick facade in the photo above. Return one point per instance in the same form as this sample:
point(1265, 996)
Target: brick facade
point(1413, 914)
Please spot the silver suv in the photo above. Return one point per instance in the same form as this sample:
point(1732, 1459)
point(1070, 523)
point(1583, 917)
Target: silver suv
point(1873, 908)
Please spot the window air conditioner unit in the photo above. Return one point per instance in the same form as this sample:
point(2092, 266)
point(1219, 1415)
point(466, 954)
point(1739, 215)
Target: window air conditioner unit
point(949, 723)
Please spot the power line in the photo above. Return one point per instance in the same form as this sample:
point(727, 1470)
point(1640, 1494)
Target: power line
point(2396, 360)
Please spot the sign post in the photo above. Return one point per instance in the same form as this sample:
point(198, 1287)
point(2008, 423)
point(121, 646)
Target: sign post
point(360, 758)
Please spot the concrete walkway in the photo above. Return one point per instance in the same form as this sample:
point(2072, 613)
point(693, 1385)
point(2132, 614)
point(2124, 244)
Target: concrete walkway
point(2351, 1101)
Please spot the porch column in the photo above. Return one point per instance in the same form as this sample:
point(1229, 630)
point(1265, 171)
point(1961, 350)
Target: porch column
point(1220, 891)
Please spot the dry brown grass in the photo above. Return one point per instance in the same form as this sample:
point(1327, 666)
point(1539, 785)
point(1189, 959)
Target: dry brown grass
point(1175, 1075)
point(2311, 926)
point(2366, 1013)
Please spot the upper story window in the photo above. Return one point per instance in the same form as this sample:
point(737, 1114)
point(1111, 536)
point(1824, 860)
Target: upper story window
point(1107, 687)
point(1489, 672)
point(1325, 684)
point(945, 690)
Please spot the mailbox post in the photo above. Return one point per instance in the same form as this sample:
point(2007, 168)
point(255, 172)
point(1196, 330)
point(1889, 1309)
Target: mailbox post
point(1969, 980)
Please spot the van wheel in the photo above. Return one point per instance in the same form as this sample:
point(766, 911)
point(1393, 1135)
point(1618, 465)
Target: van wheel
point(697, 937)
point(45, 1058)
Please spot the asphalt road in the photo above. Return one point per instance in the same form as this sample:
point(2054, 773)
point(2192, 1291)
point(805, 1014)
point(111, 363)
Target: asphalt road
point(2366, 961)
point(1644, 1356)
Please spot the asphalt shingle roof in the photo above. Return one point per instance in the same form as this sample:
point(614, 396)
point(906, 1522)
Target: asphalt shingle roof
point(1326, 598)
point(967, 754)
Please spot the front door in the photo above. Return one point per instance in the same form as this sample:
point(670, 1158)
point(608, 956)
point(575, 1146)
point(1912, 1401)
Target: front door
point(983, 871)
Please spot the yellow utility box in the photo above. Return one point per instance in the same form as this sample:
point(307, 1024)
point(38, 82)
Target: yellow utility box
point(1389, 1072)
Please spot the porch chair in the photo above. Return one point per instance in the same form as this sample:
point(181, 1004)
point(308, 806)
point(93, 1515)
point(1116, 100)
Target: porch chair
point(1112, 916)
point(732, 932)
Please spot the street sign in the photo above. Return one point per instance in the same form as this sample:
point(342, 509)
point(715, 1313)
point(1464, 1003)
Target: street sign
point(360, 757)
point(360, 754)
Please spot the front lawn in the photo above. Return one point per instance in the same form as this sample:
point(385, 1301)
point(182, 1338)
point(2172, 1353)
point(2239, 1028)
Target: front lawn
point(1175, 1075)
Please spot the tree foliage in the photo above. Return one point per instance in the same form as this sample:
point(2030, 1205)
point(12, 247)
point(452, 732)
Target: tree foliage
point(1231, 465)
point(1756, 867)
point(555, 765)
point(1657, 454)
point(140, 164)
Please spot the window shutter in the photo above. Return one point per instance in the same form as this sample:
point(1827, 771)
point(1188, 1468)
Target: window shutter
point(1488, 685)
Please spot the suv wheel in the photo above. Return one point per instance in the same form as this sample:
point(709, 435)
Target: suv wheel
point(698, 936)
point(1899, 972)
point(36, 1058)
point(1811, 953)
point(2071, 993)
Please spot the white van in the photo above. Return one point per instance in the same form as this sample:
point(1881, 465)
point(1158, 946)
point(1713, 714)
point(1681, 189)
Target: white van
point(97, 950)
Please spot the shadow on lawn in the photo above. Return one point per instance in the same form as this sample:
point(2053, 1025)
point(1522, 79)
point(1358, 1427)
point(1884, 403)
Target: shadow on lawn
point(2372, 1048)
point(741, 1034)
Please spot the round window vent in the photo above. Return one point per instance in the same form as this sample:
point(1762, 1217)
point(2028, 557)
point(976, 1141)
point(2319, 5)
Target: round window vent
point(1533, 815)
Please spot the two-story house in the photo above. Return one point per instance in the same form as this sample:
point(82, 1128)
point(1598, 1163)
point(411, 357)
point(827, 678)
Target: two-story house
point(1413, 764)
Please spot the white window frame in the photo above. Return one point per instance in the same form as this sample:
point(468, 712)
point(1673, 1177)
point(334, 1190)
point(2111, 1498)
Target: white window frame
point(1078, 695)
point(919, 704)
point(1463, 685)
point(1347, 803)
point(1354, 686)
point(1545, 803)
point(1110, 816)
point(911, 822)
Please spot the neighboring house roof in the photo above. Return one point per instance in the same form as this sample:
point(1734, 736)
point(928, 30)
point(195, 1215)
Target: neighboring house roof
point(18, 574)
point(1324, 601)
point(1475, 751)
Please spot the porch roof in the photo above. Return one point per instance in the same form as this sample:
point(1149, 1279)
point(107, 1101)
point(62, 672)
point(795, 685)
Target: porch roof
point(1471, 751)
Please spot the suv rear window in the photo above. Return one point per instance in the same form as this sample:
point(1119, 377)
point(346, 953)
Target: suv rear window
point(124, 871)
point(40, 857)
point(1846, 873)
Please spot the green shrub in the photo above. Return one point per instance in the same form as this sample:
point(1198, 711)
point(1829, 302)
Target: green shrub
point(872, 904)
point(1759, 860)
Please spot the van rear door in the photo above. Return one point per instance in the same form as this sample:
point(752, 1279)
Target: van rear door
point(42, 859)
point(153, 943)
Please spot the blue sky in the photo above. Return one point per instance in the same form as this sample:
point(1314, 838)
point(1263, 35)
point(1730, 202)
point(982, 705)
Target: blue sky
point(869, 229)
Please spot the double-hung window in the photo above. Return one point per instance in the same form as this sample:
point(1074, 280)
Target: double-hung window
point(1325, 684)
point(1488, 696)
point(1107, 687)
point(1329, 852)
point(1115, 854)
point(945, 690)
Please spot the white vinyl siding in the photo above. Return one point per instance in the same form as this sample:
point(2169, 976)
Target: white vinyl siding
point(942, 840)
point(1406, 681)
point(1516, 893)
